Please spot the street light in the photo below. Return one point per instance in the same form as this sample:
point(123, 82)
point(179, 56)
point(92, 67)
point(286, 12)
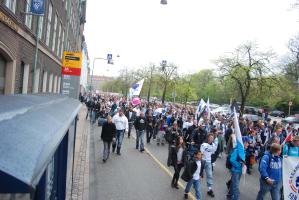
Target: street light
point(109, 62)
point(164, 2)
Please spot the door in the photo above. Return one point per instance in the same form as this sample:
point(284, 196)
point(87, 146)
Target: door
point(2, 74)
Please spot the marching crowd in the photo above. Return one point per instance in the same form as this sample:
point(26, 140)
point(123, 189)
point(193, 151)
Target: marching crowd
point(196, 139)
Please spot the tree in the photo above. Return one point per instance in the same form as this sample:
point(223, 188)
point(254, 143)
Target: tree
point(292, 68)
point(147, 73)
point(168, 73)
point(246, 67)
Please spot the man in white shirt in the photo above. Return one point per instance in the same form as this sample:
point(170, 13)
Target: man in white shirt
point(207, 149)
point(122, 125)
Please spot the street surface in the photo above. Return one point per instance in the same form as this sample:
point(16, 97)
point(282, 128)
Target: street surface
point(136, 176)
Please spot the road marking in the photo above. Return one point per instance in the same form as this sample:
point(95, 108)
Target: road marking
point(164, 168)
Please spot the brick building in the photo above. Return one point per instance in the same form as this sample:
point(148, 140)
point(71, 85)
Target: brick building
point(61, 28)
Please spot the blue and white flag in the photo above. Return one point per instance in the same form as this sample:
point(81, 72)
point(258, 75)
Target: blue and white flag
point(239, 141)
point(38, 7)
point(200, 108)
point(136, 88)
point(208, 110)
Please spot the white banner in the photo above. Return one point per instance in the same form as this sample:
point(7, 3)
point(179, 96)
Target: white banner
point(291, 178)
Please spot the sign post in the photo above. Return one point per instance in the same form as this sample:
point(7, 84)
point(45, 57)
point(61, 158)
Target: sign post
point(290, 104)
point(71, 71)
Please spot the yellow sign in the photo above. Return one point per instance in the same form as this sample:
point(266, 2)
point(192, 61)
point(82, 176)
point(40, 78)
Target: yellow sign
point(6, 20)
point(72, 59)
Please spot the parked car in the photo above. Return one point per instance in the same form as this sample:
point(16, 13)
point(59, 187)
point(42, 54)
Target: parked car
point(291, 119)
point(253, 118)
point(277, 113)
point(250, 110)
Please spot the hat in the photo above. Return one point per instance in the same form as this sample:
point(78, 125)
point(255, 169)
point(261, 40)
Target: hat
point(296, 138)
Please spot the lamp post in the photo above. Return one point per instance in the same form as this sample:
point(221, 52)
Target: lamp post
point(98, 58)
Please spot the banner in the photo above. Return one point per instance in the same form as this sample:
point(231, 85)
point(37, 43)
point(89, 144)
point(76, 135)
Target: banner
point(291, 178)
point(37, 7)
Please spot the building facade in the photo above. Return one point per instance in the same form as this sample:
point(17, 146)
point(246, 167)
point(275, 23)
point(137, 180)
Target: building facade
point(85, 71)
point(60, 29)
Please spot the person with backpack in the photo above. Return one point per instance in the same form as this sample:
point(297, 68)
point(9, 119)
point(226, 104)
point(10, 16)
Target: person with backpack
point(208, 148)
point(271, 173)
point(235, 164)
point(291, 148)
point(192, 173)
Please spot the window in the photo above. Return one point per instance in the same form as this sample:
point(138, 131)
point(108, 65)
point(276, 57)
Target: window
point(28, 18)
point(11, 4)
point(50, 82)
point(49, 24)
point(54, 34)
point(41, 25)
point(2, 74)
point(59, 39)
point(62, 45)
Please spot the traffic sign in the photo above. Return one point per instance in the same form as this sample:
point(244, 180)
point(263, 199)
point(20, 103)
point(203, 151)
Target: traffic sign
point(290, 103)
point(164, 62)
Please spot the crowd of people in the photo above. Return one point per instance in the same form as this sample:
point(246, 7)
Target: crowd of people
point(196, 140)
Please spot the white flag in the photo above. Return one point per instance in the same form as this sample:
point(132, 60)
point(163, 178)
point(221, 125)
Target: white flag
point(290, 170)
point(136, 88)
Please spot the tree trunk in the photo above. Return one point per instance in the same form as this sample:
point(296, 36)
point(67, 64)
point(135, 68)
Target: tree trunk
point(164, 93)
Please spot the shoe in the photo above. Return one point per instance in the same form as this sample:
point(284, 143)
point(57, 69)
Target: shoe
point(176, 186)
point(141, 150)
point(186, 196)
point(211, 193)
point(162, 144)
point(104, 160)
point(158, 144)
point(118, 153)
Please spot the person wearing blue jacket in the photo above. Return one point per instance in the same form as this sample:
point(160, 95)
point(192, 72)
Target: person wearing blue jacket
point(292, 148)
point(271, 173)
point(236, 171)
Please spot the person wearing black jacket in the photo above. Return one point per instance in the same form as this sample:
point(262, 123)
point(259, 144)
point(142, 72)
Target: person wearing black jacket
point(131, 115)
point(192, 173)
point(140, 126)
point(149, 126)
point(178, 157)
point(107, 135)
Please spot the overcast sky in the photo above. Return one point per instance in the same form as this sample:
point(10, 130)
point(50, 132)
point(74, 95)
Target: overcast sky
point(189, 33)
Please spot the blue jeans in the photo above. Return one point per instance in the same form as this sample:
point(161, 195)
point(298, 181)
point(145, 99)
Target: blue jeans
point(273, 189)
point(139, 140)
point(234, 191)
point(196, 185)
point(209, 173)
point(119, 137)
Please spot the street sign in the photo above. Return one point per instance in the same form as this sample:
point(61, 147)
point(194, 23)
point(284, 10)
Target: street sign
point(71, 63)
point(164, 62)
point(290, 103)
point(38, 7)
point(109, 58)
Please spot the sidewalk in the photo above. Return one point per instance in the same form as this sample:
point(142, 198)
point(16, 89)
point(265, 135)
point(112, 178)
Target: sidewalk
point(80, 185)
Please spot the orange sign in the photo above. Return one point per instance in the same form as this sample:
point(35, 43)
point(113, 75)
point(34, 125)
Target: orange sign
point(71, 63)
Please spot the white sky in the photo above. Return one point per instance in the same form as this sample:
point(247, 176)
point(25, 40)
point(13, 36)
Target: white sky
point(189, 33)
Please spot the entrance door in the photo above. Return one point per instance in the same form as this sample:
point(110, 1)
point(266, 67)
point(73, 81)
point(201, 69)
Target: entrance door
point(2, 74)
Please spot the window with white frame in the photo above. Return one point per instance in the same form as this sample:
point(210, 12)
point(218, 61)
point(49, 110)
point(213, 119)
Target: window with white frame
point(54, 33)
point(11, 4)
point(28, 18)
point(58, 40)
point(40, 28)
point(48, 33)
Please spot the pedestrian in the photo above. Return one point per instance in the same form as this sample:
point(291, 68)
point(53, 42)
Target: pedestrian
point(131, 116)
point(292, 148)
point(207, 149)
point(236, 171)
point(178, 157)
point(162, 126)
point(122, 125)
point(140, 126)
point(149, 126)
point(271, 173)
point(108, 135)
point(192, 173)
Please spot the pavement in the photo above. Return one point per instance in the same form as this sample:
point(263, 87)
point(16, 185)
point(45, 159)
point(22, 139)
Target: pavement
point(135, 175)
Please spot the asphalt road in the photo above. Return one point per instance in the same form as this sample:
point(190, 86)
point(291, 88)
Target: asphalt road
point(145, 176)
